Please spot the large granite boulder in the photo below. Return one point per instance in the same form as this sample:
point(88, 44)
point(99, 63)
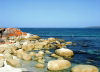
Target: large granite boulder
point(58, 64)
point(64, 52)
point(14, 62)
point(85, 68)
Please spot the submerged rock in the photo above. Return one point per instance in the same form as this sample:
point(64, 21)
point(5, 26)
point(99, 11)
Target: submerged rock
point(58, 64)
point(64, 52)
point(85, 68)
point(39, 65)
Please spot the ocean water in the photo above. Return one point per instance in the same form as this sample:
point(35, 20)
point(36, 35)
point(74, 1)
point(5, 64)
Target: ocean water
point(86, 42)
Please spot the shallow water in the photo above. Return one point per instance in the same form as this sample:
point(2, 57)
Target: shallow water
point(86, 45)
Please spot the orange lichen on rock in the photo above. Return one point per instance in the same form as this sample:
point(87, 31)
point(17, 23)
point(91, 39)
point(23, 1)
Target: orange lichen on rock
point(11, 35)
point(15, 32)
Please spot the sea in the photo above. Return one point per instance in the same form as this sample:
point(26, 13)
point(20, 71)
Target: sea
point(86, 42)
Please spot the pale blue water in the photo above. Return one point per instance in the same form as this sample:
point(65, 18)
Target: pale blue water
point(87, 48)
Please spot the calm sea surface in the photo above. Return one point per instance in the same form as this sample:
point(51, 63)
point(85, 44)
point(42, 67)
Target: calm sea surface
point(86, 42)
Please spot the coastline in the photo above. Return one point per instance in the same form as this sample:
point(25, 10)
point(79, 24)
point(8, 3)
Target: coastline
point(41, 44)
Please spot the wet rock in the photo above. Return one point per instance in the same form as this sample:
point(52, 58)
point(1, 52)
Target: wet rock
point(85, 68)
point(64, 52)
point(39, 65)
point(58, 64)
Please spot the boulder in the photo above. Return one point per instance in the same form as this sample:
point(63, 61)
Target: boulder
point(85, 68)
point(28, 47)
point(14, 62)
point(20, 53)
point(27, 56)
point(39, 54)
point(58, 64)
point(64, 52)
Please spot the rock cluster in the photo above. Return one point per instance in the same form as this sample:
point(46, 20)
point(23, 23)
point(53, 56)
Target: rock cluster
point(19, 46)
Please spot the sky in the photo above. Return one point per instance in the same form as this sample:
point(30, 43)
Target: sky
point(49, 13)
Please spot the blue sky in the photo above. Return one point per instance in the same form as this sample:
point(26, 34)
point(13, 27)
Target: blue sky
point(49, 13)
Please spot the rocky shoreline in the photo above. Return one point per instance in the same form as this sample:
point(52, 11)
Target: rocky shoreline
point(16, 46)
